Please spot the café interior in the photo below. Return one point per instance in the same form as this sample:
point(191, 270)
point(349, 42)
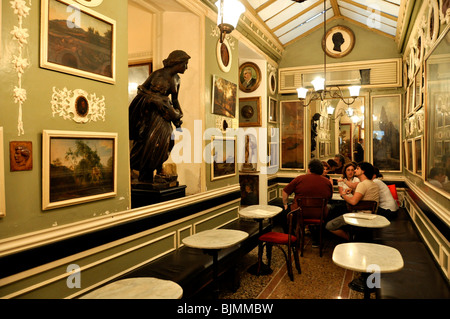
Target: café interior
point(369, 80)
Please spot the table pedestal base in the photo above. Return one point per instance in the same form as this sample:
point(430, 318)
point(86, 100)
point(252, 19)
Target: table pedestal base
point(265, 270)
point(360, 284)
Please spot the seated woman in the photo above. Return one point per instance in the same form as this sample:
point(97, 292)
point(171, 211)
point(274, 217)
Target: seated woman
point(387, 206)
point(348, 182)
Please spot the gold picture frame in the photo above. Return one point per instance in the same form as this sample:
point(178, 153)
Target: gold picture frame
point(223, 157)
point(67, 177)
point(250, 111)
point(338, 41)
point(249, 77)
point(2, 177)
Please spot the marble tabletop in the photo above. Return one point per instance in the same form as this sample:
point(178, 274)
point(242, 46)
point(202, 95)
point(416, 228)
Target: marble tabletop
point(138, 288)
point(215, 238)
point(358, 256)
point(260, 211)
point(366, 220)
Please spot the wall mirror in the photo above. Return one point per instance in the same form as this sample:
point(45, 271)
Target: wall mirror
point(340, 126)
point(438, 119)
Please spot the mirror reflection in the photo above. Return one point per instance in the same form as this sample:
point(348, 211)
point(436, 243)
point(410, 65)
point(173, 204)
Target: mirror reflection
point(337, 128)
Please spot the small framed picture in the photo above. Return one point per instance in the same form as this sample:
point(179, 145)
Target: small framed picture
point(249, 77)
point(223, 55)
point(223, 157)
point(272, 83)
point(338, 41)
point(224, 96)
point(272, 116)
point(418, 149)
point(82, 44)
point(250, 111)
point(21, 156)
point(77, 167)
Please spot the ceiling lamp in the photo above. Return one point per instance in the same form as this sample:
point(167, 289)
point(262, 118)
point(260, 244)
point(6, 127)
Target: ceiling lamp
point(320, 89)
point(228, 15)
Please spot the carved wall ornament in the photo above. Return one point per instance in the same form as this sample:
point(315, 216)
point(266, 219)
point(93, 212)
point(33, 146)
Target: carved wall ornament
point(432, 29)
point(20, 34)
point(78, 105)
point(229, 39)
point(90, 3)
point(444, 11)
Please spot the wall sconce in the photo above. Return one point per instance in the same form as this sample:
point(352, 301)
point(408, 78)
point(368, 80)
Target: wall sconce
point(228, 15)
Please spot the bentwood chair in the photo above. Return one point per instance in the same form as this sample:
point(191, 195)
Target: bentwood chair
point(287, 243)
point(363, 205)
point(313, 212)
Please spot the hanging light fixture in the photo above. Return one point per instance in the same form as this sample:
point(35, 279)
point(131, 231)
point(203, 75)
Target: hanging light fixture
point(228, 15)
point(320, 89)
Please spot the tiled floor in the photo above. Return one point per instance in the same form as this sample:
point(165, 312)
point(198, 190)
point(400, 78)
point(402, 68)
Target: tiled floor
point(320, 277)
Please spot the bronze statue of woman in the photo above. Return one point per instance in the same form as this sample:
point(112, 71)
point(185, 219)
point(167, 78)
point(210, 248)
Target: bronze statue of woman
point(151, 114)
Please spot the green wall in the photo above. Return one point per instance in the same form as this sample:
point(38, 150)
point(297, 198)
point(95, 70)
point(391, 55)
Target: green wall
point(23, 188)
point(211, 69)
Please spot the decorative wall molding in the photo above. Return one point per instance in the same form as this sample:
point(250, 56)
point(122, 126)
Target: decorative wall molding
point(78, 105)
point(20, 34)
point(90, 3)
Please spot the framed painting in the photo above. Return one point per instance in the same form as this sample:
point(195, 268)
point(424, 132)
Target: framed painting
point(224, 55)
point(418, 89)
point(292, 128)
point(272, 116)
point(77, 167)
point(224, 97)
point(273, 154)
point(2, 177)
point(249, 77)
point(77, 40)
point(410, 95)
point(249, 189)
point(410, 152)
point(418, 155)
point(250, 111)
point(223, 157)
point(338, 41)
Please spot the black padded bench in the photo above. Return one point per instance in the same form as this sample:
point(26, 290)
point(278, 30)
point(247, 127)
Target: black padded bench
point(420, 277)
point(192, 269)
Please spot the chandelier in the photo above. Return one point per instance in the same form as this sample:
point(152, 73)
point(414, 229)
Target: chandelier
point(321, 92)
point(228, 15)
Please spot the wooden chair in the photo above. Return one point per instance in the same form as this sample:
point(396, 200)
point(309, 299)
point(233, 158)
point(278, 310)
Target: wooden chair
point(290, 242)
point(313, 212)
point(363, 205)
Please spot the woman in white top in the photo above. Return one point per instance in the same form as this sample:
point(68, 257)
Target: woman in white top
point(348, 181)
point(387, 205)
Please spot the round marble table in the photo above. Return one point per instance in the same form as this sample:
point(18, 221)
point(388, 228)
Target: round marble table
point(211, 241)
point(359, 256)
point(366, 220)
point(138, 288)
point(259, 213)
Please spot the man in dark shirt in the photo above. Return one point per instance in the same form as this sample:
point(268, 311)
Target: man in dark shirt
point(312, 184)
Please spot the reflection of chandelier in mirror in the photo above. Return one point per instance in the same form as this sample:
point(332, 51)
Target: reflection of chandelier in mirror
point(320, 89)
point(228, 15)
point(355, 115)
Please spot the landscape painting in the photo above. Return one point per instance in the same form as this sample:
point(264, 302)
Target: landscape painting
point(224, 97)
point(77, 41)
point(78, 167)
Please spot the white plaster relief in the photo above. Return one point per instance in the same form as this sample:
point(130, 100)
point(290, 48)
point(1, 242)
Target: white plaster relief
point(20, 34)
point(65, 103)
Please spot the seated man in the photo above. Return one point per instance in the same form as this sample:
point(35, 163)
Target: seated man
point(340, 161)
point(387, 206)
point(366, 190)
point(312, 184)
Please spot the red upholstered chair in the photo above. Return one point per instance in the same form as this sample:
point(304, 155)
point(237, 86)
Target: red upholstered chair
point(313, 212)
point(393, 190)
point(283, 241)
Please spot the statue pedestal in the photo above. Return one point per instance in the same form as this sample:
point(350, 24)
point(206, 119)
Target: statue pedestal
point(143, 194)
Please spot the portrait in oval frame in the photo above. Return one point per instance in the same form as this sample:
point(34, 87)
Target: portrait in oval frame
point(338, 41)
point(249, 77)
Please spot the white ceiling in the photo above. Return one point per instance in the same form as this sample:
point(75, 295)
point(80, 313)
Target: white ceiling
point(289, 20)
